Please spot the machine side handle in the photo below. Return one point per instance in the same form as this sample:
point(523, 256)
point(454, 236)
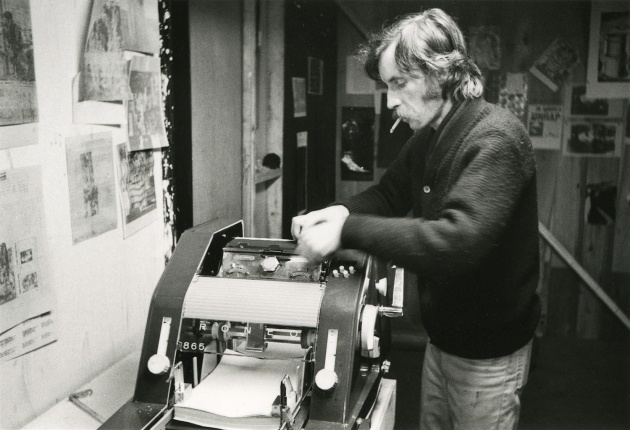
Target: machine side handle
point(398, 293)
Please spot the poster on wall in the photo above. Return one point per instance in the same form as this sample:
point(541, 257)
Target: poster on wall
point(299, 97)
point(582, 105)
point(608, 70)
point(484, 47)
point(145, 116)
point(137, 188)
point(513, 94)
point(116, 26)
point(315, 76)
point(593, 126)
point(91, 185)
point(24, 292)
point(18, 93)
point(555, 64)
point(592, 137)
point(357, 143)
point(544, 125)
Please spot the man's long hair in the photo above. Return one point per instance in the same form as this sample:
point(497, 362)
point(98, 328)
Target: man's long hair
point(428, 43)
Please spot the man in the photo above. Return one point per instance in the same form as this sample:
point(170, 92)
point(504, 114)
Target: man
point(12, 40)
point(468, 177)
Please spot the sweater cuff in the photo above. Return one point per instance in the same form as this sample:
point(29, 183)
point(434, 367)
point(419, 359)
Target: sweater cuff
point(351, 231)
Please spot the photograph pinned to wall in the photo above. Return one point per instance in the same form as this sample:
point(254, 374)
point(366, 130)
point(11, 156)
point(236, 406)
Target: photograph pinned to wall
point(608, 68)
point(484, 47)
point(600, 203)
point(145, 116)
point(513, 94)
point(315, 76)
point(116, 26)
point(555, 64)
point(592, 137)
point(390, 143)
point(357, 143)
point(582, 105)
point(302, 172)
point(137, 188)
point(299, 97)
point(544, 125)
point(23, 256)
point(91, 185)
point(18, 91)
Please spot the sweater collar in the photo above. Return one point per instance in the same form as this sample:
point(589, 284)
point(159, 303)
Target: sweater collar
point(460, 117)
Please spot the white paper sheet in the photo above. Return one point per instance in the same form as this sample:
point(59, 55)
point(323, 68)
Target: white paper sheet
point(243, 386)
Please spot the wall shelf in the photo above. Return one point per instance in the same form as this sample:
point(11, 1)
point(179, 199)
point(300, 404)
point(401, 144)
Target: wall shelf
point(265, 174)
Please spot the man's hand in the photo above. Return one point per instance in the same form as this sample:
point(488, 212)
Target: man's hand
point(304, 222)
point(319, 233)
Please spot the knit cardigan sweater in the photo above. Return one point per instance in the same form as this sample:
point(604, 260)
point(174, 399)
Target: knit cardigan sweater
point(472, 238)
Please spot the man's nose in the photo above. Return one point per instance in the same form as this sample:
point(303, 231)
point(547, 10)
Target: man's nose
point(392, 101)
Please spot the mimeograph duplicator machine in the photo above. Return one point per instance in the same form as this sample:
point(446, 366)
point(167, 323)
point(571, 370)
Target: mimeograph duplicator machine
point(227, 298)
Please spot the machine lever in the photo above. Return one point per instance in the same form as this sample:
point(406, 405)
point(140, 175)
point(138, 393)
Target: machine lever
point(390, 311)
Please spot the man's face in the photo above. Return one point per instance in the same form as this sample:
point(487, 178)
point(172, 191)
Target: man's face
point(418, 101)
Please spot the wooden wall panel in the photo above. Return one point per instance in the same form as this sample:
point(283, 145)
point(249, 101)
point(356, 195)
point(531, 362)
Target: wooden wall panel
point(216, 85)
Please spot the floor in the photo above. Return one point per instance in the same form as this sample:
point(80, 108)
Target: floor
point(573, 384)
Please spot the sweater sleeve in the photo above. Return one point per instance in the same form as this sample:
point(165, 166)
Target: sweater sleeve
point(495, 168)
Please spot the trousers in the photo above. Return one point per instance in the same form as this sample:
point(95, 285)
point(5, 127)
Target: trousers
point(459, 393)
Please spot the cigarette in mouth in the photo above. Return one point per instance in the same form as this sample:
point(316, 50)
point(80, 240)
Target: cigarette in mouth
point(391, 130)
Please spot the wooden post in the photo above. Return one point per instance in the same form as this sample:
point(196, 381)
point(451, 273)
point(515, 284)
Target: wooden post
point(249, 114)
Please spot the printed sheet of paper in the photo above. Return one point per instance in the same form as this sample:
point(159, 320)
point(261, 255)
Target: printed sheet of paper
point(513, 94)
point(299, 97)
point(91, 185)
point(28, 336)
point(592, 137)
point(144, 110)
point(116, 26)
point(18, 95)
point(555, 64)
point(243, 386)
point(23, 290)
point(137, 188)
point(544, 124)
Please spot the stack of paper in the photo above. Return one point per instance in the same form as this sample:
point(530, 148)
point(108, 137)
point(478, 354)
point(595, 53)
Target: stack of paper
point(240, 392)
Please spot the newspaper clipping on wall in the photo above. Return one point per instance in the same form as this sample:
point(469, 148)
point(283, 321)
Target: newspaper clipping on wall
point(91, 185)
point(116, 26)
point(137, 188)
point(145, 116)
point(25, 303)
point(18, 95)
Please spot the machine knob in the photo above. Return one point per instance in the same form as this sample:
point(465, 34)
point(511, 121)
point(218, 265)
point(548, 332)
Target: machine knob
point(326, 380)
point(270, 264)
point(158, 364)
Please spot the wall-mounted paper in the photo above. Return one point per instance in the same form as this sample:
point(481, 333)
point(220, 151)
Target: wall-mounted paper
point(137, 188)
point(544, 124)
point(23, 255)
point(91, 185)
point(18, 94)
